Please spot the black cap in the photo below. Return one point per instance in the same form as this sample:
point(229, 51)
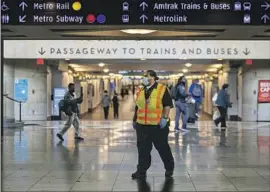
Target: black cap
point(152, 73)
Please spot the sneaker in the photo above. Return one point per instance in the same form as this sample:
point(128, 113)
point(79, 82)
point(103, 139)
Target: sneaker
point(176, 130)
point(168, 174)
point(185, 130)
point(138, 175)
point(60, 136)
point(79, 138)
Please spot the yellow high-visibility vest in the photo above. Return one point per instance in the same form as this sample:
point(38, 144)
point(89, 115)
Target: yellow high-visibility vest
point(150, 112)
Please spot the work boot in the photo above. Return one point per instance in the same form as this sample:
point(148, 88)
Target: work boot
point(138, 175)
point(79, 138)
point(60, 136)
point(168, 174)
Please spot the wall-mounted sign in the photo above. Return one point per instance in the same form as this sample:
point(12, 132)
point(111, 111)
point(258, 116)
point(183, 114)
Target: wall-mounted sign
point(264, 91)
point(130, 12)
point(21, 90)
point(114, 49)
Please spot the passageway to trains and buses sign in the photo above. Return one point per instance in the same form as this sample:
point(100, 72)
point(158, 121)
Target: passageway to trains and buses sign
point(135, 12)
point(114, 49)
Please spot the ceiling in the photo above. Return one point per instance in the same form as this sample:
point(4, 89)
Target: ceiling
point(202, 32)
point(163, 66)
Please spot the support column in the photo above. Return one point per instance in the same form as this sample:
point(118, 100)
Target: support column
point(233, 92)
point(8, 88)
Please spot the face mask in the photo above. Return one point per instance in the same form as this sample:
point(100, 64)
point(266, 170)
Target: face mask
point(145, 81)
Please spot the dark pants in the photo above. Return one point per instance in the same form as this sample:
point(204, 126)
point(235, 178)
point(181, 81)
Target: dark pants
point(146, 137)
point(106, 112)
point(222, 118)
point(115, 111)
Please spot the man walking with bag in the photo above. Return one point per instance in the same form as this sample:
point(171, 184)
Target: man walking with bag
point(72, 111)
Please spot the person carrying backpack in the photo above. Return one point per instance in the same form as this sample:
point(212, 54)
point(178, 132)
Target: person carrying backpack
point(69, 105)
point(197, 94)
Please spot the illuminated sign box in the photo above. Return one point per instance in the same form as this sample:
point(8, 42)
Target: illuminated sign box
point(144, 12)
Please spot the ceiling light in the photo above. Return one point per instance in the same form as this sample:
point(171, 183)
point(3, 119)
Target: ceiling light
point(143, 59)
point(188, 64)
point(138, 31)
point(101, 64)
point(212, 70)
point(185, 70)
point(220, 59)
point(217, 66)
point(67, 59)
point(184, 58)
point(106, 70)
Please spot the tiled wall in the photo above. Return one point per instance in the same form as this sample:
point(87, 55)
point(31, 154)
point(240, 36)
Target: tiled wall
point(36, 106)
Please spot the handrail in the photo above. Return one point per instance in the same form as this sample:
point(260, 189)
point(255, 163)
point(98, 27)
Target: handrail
point(20, 103)
point(6, 95)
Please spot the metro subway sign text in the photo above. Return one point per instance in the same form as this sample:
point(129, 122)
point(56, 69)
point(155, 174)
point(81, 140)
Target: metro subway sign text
point(114, 49)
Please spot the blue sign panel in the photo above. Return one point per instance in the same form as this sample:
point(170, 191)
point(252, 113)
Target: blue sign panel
point(21, 90)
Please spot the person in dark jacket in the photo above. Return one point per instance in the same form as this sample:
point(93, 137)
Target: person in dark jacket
point(115, 105)
point(73, 111)
point(181, 105)
point(223, 103)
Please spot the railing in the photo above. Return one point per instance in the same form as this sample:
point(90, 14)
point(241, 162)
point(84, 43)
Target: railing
point(20, 105)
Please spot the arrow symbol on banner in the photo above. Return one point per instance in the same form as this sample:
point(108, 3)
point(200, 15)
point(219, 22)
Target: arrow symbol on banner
point(143, 18)
point(144, 5)
point(246, 51)
point(42, 51)
point(22, 19)
point(266, 6)
point(23, 5)
point(265, 18)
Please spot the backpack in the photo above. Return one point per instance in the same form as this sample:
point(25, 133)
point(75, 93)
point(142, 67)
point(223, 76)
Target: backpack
point(197, 91)
point(175, 93)
point(64, 107)
point(61, 105)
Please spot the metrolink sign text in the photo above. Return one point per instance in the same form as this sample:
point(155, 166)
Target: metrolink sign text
point(79, 49)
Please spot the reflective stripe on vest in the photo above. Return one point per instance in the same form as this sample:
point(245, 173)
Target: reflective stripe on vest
point(150, 113)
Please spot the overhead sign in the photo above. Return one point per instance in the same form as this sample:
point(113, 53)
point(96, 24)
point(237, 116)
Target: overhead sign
point(21, 90)
point(264, 91)
point(130, 12)
point(114, 49)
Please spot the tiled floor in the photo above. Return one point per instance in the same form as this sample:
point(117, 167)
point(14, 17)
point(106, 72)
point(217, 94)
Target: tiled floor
point(206, 159)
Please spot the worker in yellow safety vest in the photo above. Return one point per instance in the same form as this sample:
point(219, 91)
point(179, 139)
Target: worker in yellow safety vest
point(151, 122)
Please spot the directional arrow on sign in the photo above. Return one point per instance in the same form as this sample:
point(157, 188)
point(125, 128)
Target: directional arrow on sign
point(143, 18)
point(22, 19)
point(42, 51)
point(246, 51)
point(143, 5)
point(23, 5)
point(266, 6)
point(265, 18)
